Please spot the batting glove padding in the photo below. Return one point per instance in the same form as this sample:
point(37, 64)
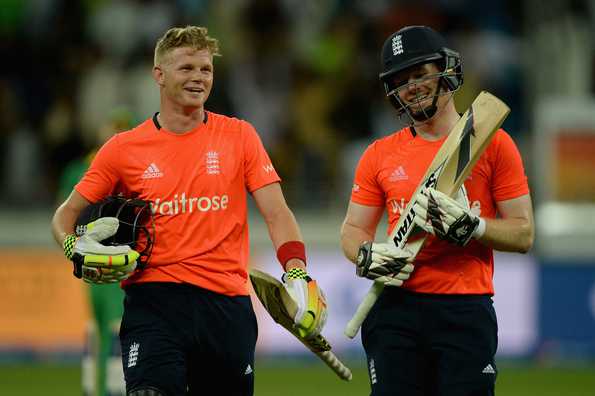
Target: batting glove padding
point(97, 263)
point(447, 218)
point(384, 262)
point(311, 303)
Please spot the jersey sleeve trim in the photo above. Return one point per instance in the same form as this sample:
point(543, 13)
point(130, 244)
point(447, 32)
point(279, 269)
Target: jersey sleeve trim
point(370, 203)
point(510, 180)
point(258, 167)
point(366, 190)
point(259, 186)
point(102, 176)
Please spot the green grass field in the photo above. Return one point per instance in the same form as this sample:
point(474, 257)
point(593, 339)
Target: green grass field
point(312, 380)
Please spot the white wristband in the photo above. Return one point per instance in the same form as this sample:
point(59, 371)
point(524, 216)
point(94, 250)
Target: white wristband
point(480, 230)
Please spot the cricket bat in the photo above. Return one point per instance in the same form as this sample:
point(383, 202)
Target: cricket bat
point(282, 309)
point(450, 167)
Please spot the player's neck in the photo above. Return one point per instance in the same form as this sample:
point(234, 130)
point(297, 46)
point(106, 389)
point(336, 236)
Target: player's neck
point(180, 120)
point(440, 125)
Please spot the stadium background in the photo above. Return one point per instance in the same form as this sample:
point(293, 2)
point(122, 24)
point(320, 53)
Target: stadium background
point(305, 74)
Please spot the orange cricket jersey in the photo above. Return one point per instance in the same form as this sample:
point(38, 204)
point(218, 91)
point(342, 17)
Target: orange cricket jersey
point(388, 174)
point(197, 183)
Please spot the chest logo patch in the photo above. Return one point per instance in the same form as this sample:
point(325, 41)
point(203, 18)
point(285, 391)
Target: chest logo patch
point(152, 172)
point(212, 163)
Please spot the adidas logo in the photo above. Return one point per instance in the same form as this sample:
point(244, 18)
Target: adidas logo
point(152, 172)
point(398, 174)
point(248, 370)
point(488, 369)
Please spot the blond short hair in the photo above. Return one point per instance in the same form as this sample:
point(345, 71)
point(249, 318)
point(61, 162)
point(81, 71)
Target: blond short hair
point(190, 36)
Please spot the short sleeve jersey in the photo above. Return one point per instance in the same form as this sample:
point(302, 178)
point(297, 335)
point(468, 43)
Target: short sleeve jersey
point(197, 183)
point(388, 174)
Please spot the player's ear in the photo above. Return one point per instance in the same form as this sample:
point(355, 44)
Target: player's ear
point(158, 75)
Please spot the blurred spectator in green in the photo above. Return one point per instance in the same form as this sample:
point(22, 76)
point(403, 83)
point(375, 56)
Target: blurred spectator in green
point(102, 366)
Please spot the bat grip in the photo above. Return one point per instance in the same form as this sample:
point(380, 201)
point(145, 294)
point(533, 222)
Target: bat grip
point(363, 309)
point(335, 364)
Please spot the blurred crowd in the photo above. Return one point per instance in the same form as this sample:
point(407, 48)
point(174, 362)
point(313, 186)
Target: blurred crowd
point(305, 73)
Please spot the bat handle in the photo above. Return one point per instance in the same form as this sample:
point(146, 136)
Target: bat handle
point(363, 309)
point(335, 364)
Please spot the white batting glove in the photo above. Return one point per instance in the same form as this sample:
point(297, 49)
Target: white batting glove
point(97, 263)
point(311, 314)
point(384, 262)
point(447, 218)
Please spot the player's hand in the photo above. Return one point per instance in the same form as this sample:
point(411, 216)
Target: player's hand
point(311, 313)
point(450, 219)
point(97, 263)
point(384, 262)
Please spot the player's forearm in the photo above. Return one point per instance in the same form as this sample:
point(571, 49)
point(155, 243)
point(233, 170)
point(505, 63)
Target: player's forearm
point(66, 215)
point(509, 235)
point(62, 223)
point(283, 227)
point(281, 224)
point(351, 239)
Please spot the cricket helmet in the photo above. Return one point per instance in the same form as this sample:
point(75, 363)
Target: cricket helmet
point(413, 46)
point(136, 224)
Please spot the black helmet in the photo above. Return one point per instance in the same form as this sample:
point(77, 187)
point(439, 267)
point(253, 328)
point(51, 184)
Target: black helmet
point(417, 45)
point(136, 226)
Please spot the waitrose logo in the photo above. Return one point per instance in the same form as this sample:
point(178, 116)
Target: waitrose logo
point(183, 204)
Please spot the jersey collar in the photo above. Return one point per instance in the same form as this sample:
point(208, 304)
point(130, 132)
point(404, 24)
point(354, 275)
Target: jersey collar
point(158, 125)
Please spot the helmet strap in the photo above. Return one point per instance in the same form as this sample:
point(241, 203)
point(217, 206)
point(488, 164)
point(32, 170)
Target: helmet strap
point(428, 112)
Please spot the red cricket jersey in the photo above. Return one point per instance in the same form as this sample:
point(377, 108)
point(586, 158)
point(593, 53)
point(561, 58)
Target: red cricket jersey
point(388, 174)
point(197, 183)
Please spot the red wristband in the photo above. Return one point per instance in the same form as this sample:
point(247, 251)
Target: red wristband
point(290, 250)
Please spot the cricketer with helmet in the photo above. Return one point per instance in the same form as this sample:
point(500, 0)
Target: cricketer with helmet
point(433, 329)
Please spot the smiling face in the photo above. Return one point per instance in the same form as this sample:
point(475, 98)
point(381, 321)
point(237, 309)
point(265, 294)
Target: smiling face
point(185, 77)
point(417, 87)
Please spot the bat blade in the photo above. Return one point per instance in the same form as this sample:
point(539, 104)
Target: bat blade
point(282, 308)
point(450, 167)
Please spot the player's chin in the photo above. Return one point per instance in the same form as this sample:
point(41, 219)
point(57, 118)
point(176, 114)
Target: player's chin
point(195, 101)
point(421, 116)
point(419, 110)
